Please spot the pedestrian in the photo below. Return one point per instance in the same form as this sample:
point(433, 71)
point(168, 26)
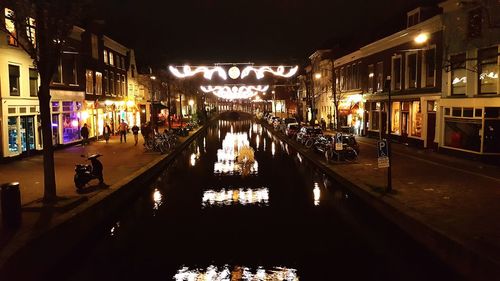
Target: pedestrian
point(123, 131)
point(84, 132)
point(106, 131)
point(135, 131)
point(323, 124)
point(145, 131)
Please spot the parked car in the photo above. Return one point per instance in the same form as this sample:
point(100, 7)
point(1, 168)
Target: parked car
point(308, 132)
point(292, 129)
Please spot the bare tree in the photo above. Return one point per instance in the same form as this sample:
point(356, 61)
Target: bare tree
point(41, 28)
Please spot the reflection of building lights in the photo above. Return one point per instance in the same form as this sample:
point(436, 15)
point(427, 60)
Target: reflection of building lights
point(299, 157)
point(273, 148)
point(157, 199)
point(241, 196)
point(317, 194)
point(257, 141)
point(371, 75)
point(317, 75)
point(226, 157)
point(108, 102)
point(74, 123)
point(193, 160)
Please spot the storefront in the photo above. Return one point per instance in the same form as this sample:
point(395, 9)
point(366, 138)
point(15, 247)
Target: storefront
point(21, 130)
point(412, 120)
point(351, 114)
point(66, 121)
point(471, 125)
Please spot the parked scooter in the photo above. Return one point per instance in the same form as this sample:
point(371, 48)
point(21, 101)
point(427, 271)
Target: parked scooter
point(84, 173)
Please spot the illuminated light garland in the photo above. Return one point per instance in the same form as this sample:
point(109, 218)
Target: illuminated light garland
point(208, 72)
point(260, 71)
point(235, 92)
point(234, 72)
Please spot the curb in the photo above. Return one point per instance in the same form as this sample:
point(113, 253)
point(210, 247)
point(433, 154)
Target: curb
point(448, 248)
point(41, 249)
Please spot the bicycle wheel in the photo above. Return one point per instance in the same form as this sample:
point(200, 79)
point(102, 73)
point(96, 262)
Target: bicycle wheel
point(309, 143)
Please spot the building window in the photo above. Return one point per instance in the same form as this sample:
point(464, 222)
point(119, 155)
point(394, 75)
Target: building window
point(70, 122)
point(57, 78)
point(98, 83)
point(488, 71)
point(416, 119)
point(396, 73)
point(89, 76)
point(75, 70)
point(375, 116)
point(124, 90)
point(14, 80)
point(492, 130)
point(395, 127)
point(118, 88)
point(411, 70)
point(348, 77)
point(429, 62)
point(95, 46)
point(371, 74)
point(33, 82)
point(10, 26)
point(112, 84)
point(132, 70)
point(117, 61)
point(31, 30)
point(123, 62)
point(105, 56)
point(413, 18)
point(380, 76)
point(111, 59)
point(106, 82)
point(474, 24)
point(458, 75)
point(342, 79)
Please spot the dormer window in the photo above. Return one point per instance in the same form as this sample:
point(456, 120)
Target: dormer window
point(413, 18)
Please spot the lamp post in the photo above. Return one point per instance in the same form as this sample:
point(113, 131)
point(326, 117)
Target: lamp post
point(153, 97)
point(389, 129)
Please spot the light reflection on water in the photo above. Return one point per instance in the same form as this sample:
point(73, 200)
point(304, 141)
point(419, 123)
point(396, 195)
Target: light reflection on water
point(317, 194)
point(226, 273)
point(158, 200)
point(226, 157)
point(223, 197)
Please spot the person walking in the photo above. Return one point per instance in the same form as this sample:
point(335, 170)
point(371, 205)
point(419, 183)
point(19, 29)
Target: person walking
point(123, 131)
point(106, 131)
point(84, 132)
point(145, 131)
point(135, 131)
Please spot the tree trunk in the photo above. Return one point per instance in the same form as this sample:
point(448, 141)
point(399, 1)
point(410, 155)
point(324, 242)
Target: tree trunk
point(49, 177)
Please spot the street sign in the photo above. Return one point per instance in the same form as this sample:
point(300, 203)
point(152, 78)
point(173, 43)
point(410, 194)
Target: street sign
point(383, 162)
point(382, 149)
point(338, 142)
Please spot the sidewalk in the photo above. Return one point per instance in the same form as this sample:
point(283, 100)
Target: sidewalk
point(120, 161)
point(456, 198)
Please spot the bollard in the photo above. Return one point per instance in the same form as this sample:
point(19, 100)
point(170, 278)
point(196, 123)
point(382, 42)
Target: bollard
point(11, 204)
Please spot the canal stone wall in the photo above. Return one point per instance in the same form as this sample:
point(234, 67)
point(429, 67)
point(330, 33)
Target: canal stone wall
point(41, 253)
point(449, 248)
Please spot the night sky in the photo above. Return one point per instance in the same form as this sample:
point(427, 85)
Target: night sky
point(167, 31)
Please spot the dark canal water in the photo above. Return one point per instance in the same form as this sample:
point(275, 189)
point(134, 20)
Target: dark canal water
point(201, 220)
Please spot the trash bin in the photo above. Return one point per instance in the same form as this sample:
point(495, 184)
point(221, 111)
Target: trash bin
point(11, 204)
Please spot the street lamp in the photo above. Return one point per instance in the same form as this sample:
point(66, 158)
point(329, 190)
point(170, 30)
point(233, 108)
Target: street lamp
point(153, 97)
point(421, 38)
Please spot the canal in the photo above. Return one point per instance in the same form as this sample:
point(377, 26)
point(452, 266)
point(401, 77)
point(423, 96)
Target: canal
point(204, 218)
